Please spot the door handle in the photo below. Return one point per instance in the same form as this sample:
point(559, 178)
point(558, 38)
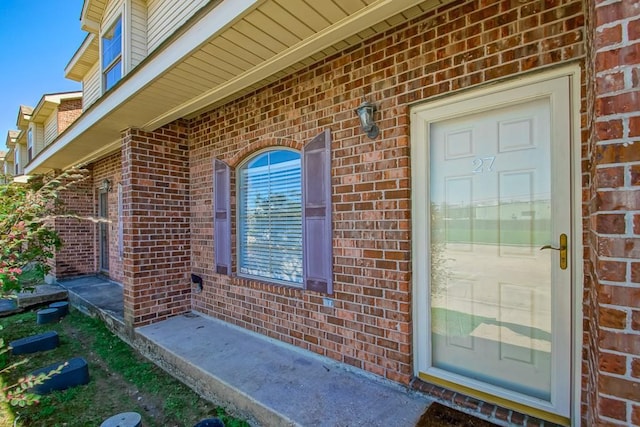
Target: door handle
point(562, 249)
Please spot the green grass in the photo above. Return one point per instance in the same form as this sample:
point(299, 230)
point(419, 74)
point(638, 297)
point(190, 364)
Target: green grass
point(121, 380)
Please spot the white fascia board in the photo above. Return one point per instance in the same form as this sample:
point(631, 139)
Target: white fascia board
point(373, 13)
point(216, 20)
point(44, 108)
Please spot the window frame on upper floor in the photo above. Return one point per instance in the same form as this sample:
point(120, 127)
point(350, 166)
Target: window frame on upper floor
point(29, 144)
point(17, 160)
point(115, 60)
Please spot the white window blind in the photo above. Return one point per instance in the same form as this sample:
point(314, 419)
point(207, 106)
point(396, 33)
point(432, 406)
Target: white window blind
point(270, 217)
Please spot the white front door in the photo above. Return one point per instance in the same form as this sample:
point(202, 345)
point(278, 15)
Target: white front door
point(492, 235)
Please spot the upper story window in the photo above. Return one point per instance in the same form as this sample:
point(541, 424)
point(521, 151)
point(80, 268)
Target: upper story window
point(29, 145)
point(16, 161)
point(270, 217)
point(112, 55)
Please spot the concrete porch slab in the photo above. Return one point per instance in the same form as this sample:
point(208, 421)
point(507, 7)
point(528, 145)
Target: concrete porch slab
point(273, 383)
point(42, 294)
point(268, 382)
point(89, 293)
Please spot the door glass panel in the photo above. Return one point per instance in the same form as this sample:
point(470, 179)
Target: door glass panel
point(490, 192)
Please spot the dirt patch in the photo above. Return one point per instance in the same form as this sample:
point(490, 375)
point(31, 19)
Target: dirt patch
point(438, 415)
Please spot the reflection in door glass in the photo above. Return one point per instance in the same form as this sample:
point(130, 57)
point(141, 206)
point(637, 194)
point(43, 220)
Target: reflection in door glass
point(490, 192)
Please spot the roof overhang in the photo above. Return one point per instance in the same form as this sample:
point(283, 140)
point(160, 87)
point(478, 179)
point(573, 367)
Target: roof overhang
point(24, 116)
point(49, 103)
point(21, 139)
point(12, 137)
point(84, 59)
point(91, 15)
point(228, 49)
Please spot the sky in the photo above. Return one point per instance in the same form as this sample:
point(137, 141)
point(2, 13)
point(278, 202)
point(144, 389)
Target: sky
point(37, 40)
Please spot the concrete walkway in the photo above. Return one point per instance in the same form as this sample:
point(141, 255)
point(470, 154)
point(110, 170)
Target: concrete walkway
point(268, 382)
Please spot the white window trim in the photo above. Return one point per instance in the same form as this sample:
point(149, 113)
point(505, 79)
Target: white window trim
point(418, 239)
point(123, 34)
point(239, 225)
point(30, 150)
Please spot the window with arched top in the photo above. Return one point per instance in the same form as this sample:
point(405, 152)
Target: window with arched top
point(283, 216)
point(270, 217)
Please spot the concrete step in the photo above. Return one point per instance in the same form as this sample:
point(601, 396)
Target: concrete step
point(8, 307)
point(42, 294)
point(272, 383)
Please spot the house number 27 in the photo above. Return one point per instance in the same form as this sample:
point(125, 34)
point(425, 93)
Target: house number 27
point(483, 164)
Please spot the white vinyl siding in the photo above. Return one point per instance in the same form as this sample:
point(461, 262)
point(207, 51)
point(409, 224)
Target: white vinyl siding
point(91, 87)
point(114, 8)
point(8, 167)
point(21, 158)
point(38, 142)
point(50, 128)
point(166, 16)
point(138, 39)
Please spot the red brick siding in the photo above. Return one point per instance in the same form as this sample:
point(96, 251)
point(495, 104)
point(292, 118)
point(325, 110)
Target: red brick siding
point(157, 250)
point(461, 45)
point(68, 112)
point(109, 168)
point(76, 257)
point(612, 241)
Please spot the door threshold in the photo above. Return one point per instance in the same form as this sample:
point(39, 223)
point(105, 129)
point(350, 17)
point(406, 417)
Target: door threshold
point(484, 403)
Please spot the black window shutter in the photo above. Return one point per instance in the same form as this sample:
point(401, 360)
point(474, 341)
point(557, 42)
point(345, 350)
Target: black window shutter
point(222, 217)
point(317, 245)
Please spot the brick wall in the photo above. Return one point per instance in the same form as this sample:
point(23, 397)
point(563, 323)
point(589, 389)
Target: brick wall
point(109, 168)
point(157, 251)
point(68, 112)
point(613, 242)
point(76, 257)
point(462, 45)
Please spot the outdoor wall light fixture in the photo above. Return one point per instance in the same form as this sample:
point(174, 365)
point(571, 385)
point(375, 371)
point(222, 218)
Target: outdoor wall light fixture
point(365, 112)
point(105, 186)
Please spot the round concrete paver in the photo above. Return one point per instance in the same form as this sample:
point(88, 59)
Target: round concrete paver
point(125, 419)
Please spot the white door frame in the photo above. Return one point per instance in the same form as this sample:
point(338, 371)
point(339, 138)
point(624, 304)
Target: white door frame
point(420, 233)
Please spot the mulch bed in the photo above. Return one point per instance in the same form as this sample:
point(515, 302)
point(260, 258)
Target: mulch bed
point(438, 415)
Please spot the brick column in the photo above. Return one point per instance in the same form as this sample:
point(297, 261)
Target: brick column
point(612, 271)
point(156, 213)
point(76, 256)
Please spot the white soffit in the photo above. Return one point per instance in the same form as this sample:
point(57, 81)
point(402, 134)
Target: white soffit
point(234, 48)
